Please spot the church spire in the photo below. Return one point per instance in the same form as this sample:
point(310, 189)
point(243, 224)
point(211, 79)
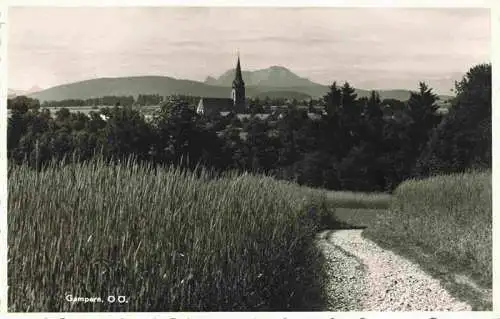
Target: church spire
point(238, 78)
point(238, 92)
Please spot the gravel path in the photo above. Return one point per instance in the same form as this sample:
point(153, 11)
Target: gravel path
point(373, 279)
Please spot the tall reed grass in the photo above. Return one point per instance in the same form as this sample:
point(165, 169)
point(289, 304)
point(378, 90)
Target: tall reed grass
point(167, 239)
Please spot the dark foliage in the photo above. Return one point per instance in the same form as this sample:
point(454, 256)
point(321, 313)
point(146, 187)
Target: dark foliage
point(463, 139)
point(340, 142)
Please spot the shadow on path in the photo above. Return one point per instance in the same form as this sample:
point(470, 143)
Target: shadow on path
point(345, 282)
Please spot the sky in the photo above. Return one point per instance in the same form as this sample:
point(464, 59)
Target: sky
point(371, 48)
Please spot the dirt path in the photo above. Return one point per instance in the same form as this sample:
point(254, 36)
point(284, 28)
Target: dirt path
point(373, 279)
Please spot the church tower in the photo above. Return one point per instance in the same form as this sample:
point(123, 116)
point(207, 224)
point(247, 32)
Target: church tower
point(238, 92)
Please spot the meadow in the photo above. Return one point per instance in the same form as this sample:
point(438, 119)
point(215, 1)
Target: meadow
point(358, 200)
point(166, 239)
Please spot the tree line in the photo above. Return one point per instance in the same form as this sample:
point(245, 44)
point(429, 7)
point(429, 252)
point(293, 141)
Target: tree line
point(258, 105)
point(111, 100)
point(358, 144)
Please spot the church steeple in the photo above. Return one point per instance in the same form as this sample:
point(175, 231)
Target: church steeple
point(238, 92)
point(238, 78)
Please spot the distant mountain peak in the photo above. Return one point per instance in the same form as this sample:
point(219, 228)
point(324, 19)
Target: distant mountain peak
point(16, 92)
point(34, 89)
point(274, 76)
point(278, 67)
point(210, 80)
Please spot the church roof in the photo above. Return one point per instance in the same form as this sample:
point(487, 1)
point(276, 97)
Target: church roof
point(215, 104)
point(212, 102)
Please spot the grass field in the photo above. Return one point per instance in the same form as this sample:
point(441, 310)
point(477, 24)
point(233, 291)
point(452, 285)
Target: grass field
point(357, 217)
point(444, 223)
point(170, 240)
point(166, 239)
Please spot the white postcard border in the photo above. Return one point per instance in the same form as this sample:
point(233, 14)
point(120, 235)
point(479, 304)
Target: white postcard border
point(495, 56)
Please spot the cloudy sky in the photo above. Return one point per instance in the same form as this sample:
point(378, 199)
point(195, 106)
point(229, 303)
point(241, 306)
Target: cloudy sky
point(372, 48)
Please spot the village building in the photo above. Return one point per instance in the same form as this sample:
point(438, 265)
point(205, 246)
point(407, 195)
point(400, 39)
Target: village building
point(237, 103)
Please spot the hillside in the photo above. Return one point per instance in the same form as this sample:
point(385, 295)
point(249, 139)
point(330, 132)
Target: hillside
point(129, 86)
point(163, 86)
point(275, 82)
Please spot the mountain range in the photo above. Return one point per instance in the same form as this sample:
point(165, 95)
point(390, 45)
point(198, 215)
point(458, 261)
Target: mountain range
point(275, 82)
point(13, 92)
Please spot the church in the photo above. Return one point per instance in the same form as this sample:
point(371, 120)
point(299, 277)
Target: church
point(237, 103)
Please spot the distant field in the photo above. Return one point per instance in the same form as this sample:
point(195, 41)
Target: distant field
point(146, 110)
point(448, 217)
point(351, 209)
point(358, 218)
point(358, 200)
point(167, 239)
